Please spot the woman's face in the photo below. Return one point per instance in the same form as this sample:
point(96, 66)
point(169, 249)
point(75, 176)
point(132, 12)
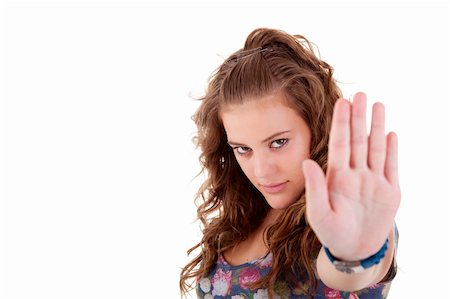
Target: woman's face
point(270, 141)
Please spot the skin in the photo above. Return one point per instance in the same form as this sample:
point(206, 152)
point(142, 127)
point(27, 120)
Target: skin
point(351, 208)
point(270, 142)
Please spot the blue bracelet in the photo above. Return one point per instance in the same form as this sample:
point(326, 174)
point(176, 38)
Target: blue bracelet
point(358, 266)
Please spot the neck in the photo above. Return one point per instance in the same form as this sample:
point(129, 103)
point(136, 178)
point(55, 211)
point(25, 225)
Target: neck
point(272, 216)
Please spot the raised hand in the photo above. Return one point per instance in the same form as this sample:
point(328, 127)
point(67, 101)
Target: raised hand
point(352, 208)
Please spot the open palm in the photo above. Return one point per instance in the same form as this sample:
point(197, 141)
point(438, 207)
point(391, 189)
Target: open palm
point(352, 208)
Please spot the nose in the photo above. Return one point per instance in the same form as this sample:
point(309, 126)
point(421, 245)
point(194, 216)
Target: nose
point(264, 165)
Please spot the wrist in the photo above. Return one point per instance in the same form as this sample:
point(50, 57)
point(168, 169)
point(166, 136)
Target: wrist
point(357, 266)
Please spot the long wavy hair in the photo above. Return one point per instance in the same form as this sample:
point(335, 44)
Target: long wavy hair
point(228, 205)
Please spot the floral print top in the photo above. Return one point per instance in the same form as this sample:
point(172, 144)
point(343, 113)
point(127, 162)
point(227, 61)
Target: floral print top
point(227, 281)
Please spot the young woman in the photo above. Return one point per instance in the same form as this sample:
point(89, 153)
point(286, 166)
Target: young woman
point(299, 200)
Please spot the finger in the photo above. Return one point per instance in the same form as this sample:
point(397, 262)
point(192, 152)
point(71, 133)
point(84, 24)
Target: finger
point(339, 144)
point(317, 202)
point(391, 166)
point(377, 139)
point(358, 156)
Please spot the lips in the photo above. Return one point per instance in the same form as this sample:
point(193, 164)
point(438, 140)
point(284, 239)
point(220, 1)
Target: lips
point(274, 188)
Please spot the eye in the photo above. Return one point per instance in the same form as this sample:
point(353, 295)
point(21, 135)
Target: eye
point(279, 143)
point(242, 150)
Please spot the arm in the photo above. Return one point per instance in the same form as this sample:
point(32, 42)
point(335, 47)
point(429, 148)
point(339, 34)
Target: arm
point(352, 207)
point(353, 282)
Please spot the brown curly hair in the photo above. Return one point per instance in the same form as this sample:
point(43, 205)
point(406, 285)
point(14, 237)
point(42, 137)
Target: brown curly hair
point(228, 205)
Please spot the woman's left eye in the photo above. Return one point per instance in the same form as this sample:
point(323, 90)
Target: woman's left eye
point(279, 143)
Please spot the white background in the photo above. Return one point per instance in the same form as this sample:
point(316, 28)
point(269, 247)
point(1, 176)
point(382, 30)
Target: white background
point(97, 164)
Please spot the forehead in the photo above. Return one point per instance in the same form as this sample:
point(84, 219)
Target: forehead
point(255, 119)
point(274, 100)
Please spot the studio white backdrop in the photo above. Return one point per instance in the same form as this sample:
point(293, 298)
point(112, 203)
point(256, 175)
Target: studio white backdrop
point(97, 165)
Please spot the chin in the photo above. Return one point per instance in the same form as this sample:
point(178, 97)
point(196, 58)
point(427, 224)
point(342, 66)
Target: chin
point(279, 204)
point(281, 201)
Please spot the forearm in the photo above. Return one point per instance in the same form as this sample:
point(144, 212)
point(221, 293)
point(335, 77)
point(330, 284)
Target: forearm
point(342, 281)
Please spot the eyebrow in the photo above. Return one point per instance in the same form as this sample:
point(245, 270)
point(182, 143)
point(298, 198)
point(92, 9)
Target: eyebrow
point(265, 140)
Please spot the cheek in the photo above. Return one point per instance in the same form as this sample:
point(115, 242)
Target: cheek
point(296, 155)
point(293, 164)
point(295, 172)
point(245, 166)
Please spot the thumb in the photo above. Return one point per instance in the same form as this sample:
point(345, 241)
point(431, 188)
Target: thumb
point(317, 201)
